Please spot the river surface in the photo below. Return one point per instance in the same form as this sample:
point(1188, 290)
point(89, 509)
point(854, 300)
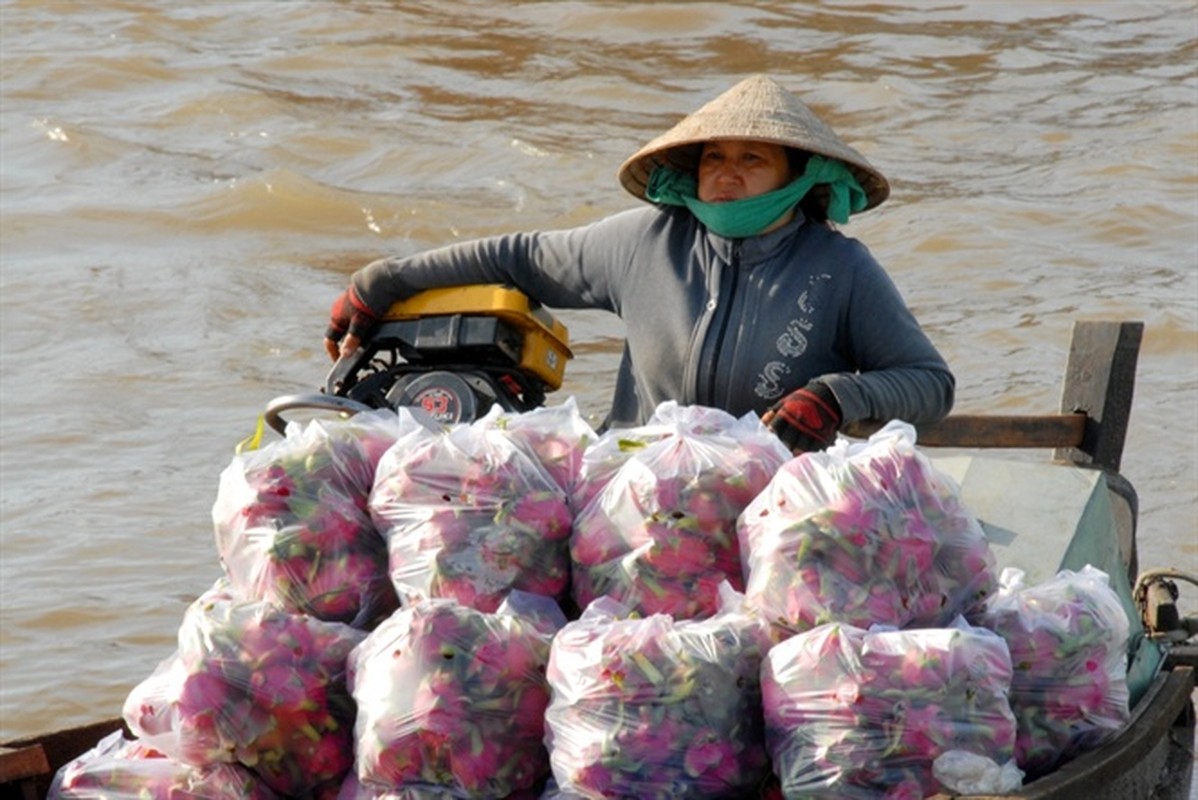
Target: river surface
point(186, 187)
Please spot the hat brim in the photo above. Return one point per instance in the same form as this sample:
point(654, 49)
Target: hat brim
point(760, 110)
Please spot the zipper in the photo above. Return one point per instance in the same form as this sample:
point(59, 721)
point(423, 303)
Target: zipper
point(722, 329)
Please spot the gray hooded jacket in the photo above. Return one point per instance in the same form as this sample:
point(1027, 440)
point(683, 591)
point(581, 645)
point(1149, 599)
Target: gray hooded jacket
point(729, 323)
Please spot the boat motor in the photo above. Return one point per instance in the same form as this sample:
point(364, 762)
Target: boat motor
point(454, 352)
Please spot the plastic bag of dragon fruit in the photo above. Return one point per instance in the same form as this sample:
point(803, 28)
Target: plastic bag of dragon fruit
point(1068, 639)
point(354, 789)
point(859, 715)
point(292, 525)
point(469, 514)
point(864, 533)
point(453, 699)
point(123, 769)
point(658, 530)
point(557, 435)
point(252, 684)
point(651, 707)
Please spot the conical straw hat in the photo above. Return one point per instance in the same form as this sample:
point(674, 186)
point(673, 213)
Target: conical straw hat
point(757, 109)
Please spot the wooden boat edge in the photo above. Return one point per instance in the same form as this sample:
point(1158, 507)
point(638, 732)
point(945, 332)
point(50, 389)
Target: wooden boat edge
point(57, 747)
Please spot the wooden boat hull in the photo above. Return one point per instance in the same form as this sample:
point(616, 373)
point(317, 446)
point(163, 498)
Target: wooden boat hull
point(28, 764)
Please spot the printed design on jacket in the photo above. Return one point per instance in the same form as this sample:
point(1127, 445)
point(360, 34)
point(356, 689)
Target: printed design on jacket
point(790, 344)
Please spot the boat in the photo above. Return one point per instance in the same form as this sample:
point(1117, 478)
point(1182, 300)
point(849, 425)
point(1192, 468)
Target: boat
point(1086, 500)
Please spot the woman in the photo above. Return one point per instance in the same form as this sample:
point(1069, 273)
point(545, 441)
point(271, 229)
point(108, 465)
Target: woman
point(734, 289)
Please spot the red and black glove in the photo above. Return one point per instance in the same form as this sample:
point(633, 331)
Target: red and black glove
point(805, 420)
point(349, 315)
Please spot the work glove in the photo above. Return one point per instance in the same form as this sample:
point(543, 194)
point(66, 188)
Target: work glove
point(805, 420)
point(349, 319)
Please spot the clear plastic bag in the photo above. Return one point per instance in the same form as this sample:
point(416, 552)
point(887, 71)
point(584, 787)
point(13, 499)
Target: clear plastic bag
point(864, 533)
point(853, 714)
point(252, 684)
point(453, 699)
point(292, 525)
point(659, 536)
point(122, 769)
point(557, 435)
point(972, 773)
point(1068, 640)
point(657, 708)
point(469, 514)
point(604, 457)
point(354, 789)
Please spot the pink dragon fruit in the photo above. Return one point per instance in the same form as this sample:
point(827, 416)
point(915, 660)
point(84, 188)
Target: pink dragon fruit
point(660, 534)
point(292, 525)
point(469, 514)
point(863, 534)
point(121, 769)
point(603, 457)
point(656, 708)
point(856, 714)
point(354, 789)
point(1068, 641)
point(453, 698)
point(557, 435)
point(253, 684)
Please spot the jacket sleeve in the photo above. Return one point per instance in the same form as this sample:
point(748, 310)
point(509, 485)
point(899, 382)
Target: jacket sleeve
point(570, 268)
point(900, 374)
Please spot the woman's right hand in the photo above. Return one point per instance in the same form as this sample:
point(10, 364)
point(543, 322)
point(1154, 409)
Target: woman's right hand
point(350, 321)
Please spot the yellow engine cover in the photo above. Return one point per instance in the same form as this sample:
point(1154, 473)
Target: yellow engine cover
point(545, 348)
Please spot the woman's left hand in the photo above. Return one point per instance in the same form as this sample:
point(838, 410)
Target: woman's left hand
point(805, 420)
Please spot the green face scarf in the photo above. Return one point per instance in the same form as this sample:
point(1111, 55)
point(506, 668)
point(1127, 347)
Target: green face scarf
point(749, 216)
